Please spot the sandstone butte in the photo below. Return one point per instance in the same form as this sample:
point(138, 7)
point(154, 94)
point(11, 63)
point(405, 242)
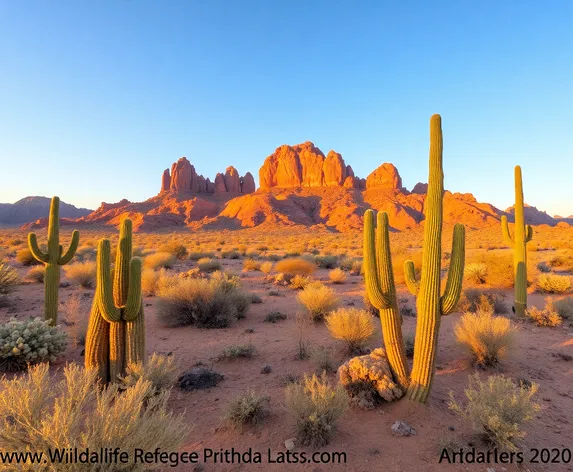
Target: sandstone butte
point(299, 186)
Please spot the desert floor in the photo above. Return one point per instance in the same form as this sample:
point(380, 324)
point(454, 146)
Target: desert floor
point(365, 436)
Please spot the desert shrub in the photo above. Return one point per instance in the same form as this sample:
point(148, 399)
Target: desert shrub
point(543, 267)
point(16, 242)
point(251, 265)
point(321, 357)
point(29, 342)
point(476, 273)
point(238, 351)
point(499, 269)
point(295, 267)
point(564, 307)
point(266, 267)
point(231, 254)
point(551, 283)
point(298, 282)
point(24, 256)
point(255, 298)
point(9, 279)
point(164, 260)
point(195, 256)
point(547, 316)
point(86, 253)
point(562, 261)
point(36, 415)
point(76, 318)
point(247, 408)
point(36, 274)
point(488, 337)
point(351, 325)
point(149, 282)
point(316, 407)
point(345, 263)
point(82, 273)
point(337, 276)
point(178, 250)
point(275, 316)
point(326, 262)
point(201, 302)
point(159, 371)
point(318, 299)
point(357, 267)
point(473, 298)
point(497, 409)
point(209, 265)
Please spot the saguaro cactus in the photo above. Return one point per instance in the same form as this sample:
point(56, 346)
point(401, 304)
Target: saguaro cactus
point(52, 259)
point(116, 331)
point(430, 305)
point(522, 235)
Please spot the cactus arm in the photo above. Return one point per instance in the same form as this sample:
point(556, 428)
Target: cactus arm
point(35, 249)
point(67, 257)
point(528, 233)
point(451, 295)
point(505, 230)
point(133, 303)
point(104, 292)
point(410, 278)
point(371, 278)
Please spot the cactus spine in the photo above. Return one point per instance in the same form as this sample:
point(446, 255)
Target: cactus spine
point(522, 235)
point(116, 331)
point(430, 305)
point(52, 259)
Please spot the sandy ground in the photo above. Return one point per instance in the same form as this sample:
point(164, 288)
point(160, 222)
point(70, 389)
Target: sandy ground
point(365, 436)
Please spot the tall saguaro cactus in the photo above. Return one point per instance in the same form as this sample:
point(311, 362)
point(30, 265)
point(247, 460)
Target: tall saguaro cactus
point(116, 331)
point(52, 259)
point(431, 306)
point(522, 235)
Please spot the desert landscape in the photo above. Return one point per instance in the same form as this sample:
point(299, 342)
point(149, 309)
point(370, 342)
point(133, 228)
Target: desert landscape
point(253, 336)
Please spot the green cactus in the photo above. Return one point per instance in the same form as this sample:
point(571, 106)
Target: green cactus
point(53, 258)
point(430, 305)
point(522, 235)
point(116, 331)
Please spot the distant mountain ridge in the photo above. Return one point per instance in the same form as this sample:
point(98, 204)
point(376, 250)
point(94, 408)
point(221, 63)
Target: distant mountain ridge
point(33, 208)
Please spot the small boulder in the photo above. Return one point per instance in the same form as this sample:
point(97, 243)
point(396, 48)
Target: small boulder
point(199, 378)
point(400, 428)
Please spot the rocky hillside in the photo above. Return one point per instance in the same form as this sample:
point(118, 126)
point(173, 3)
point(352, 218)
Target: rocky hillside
point(299, 186)
point(33, 208)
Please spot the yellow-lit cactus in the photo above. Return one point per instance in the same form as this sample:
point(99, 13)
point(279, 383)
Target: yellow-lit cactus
point(431, 306)
point(53, 258)
point(522, 235)
point(116, 331)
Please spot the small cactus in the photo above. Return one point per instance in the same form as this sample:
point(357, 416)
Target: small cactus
point(522, 235)
point(53, 258)
point(116, 331)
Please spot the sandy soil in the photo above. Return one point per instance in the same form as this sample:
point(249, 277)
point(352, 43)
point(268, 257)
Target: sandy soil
point(365, 436)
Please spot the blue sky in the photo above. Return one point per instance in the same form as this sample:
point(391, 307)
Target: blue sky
point(98, 97)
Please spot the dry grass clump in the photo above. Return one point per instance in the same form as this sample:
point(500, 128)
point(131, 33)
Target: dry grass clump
point(499, 268)
point(551, 283)
point(82, 273)
point(497, 409)
point(237, 351)
point(326, 262)
point(159, 371)
point(36, 415)
point(247, 408)
point(275, 316)
point(488, 337)
point(295, 266)
point(266, 267)
point(165, 260)
point(564, 307)
point(209, 265)
point(178, 250)
point(24, 256)
point(476, 273)
point(316, 407)
point(547, 316)
point(36, 274)
point(321, 357)
point(9, 279)
point(351, 325)
point(318, 299)
point(474, 299)
point(153, 282)
point(250, 265)
point(205, 303)
point(86, 253)
point(337, 276)
point(298, 282)
point(196, 255)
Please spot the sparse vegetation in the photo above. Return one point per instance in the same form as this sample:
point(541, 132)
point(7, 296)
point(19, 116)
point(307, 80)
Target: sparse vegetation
point(547, 316)
point(247, 408)
point(159, 371)
point(564, 307)
point(551, 283)
point(337, 276)
point(497, 409)
point(295, 267)
point(275, 316)
point(238, 351)
point(209, 265)
point(474, 299)
point(476, 273)
point(351, 325)
point(164, 260)
point(318, 299)
point(9, 279)
point(82, 273)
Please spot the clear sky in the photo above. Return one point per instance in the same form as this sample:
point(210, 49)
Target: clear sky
point(98, 97)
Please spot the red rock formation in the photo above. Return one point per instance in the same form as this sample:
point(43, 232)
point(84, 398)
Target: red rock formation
point(351, 182)
point(385, 176)
point(248, 183)
point(334, 170)
point(220, 186)
point(210, 186)
point(311, 162)
point(232, 180)
point(181, 175)
point(165, 181)
point(420, 188)
point(349, 171)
